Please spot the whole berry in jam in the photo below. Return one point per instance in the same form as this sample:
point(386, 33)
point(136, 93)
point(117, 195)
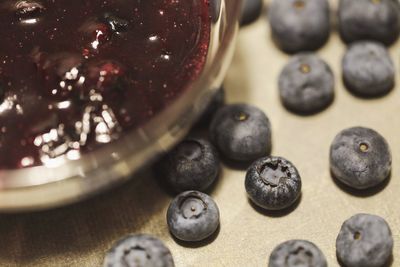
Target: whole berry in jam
point(28, 11)
point(116, 24)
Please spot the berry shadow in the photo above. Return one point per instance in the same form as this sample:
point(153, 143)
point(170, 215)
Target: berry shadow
point(276, 213)
point(361, 193)
point(310, 113)
point(349, 88)
point(236, 165)
point(198, 244)
point(389, 263)
point(241, 165)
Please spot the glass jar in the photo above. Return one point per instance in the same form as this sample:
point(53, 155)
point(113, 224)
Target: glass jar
point(43, 187)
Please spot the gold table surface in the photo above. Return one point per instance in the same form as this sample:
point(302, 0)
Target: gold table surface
point(79, 235)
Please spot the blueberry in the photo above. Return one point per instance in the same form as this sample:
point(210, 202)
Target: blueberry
point(192, 165)
point(306, 84)
point(299, 25)
point(241, 132)
point(273, 183)
point(192, 216)
point(139, 251)
point(251, 10)
point(364, 241)
point(368, 70)
point(377, 20)
point(297, 253)
point(360, 158)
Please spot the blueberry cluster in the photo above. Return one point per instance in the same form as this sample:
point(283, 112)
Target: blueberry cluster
point(360, 157)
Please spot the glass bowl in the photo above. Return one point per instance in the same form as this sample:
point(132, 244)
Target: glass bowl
point(44, 187)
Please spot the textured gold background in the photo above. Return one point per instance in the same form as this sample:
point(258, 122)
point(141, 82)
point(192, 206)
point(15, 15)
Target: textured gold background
point(79, 235)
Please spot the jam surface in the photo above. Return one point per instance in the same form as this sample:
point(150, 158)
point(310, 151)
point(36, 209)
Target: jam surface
point(75, 75)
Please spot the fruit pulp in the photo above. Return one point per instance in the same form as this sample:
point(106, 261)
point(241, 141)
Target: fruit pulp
point(75, 75)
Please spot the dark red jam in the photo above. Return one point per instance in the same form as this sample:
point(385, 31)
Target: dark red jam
point(77, 74)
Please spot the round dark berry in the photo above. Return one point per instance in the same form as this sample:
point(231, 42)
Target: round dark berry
point(297, 253)
point(273, 183)
point(192, 165)
point(115, 23)
point(241, 132)
point(299, 25)
point(28, 11)
point(306, 84)
point(377, 20)
point(360, 158)
point(368, 70)
point(192, 216)
point(251, 10)
point(364, 241)
point(138, 251)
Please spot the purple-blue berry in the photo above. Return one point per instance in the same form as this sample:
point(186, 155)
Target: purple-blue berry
point(273, 183)
point(192, 216)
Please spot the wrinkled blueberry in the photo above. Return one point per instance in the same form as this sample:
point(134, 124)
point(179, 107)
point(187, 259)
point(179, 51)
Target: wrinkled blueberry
point(368, 70)
point(273, 183)
point(364, 241)
point(241, 132)
point(251, 10)
point(377, 20)
point(192, 216)
point(192, 165)
point(139, 251)
point(306, 84)
point(299, 25)
point(360, 158)
point(297, 253)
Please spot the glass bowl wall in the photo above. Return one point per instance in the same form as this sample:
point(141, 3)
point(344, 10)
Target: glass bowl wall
point(43, 187)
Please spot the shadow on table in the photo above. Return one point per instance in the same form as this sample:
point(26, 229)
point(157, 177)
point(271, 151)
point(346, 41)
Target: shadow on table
point(276, 213)
point(82, 228)
point(364, 193)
